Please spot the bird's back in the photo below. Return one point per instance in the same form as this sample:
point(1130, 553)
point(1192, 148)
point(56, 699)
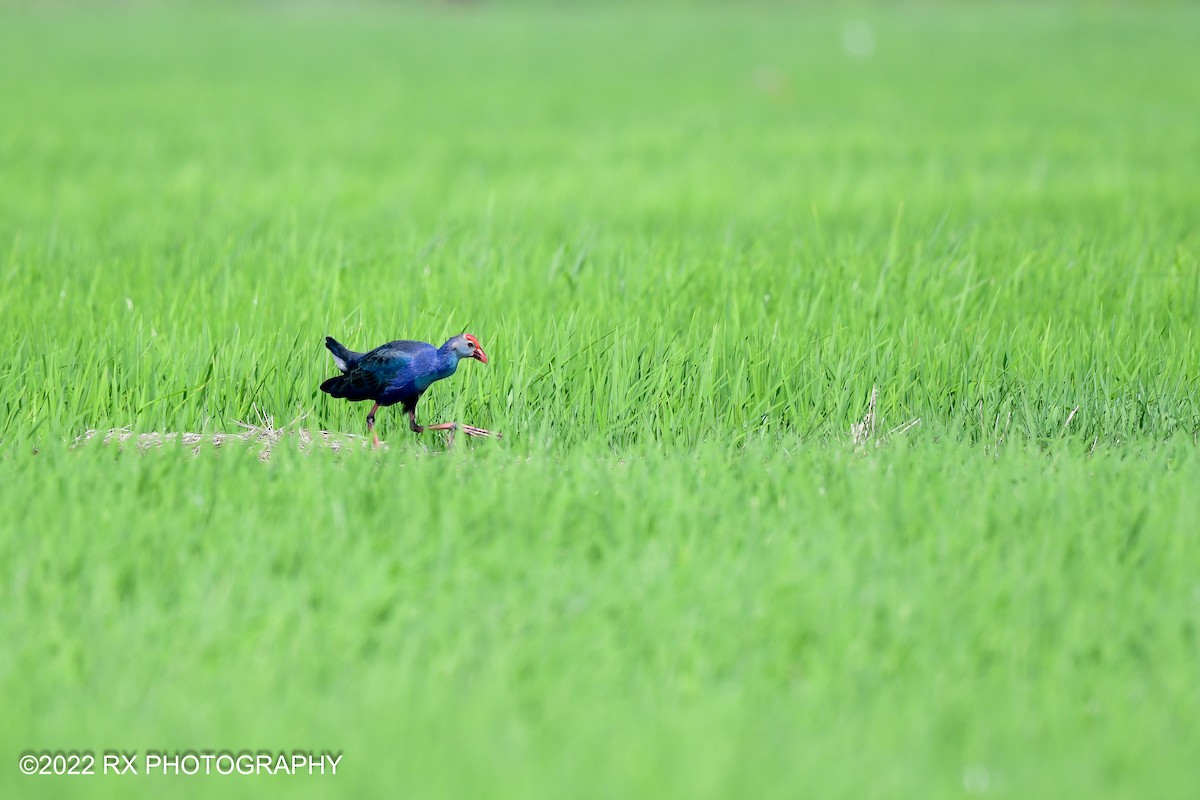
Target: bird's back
point(396, 363)
point(401, 350)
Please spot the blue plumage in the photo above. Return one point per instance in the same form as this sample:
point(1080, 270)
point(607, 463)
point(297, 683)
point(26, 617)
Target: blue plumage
point(399, 372)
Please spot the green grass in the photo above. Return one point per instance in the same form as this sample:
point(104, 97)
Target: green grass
point(692, 241)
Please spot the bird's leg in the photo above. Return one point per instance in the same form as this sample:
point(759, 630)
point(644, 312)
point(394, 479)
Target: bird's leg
point(412, 422)
point(371, 424)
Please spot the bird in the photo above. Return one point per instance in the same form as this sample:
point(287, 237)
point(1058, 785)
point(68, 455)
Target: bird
point(400, 372)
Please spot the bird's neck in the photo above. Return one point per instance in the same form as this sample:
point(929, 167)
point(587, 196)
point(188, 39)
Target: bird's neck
point(447, 359)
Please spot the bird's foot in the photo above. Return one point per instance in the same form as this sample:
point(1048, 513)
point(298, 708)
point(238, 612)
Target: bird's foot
point(452, 427)
point(471, 430)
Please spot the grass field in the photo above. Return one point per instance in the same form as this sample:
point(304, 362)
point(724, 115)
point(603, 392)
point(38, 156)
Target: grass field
point(693, 240)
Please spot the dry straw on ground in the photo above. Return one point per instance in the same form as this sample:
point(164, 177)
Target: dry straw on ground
point(263, 433)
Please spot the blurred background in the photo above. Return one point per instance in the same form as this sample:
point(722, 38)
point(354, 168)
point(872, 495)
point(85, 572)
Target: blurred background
point(699, 242)
point(375, 168)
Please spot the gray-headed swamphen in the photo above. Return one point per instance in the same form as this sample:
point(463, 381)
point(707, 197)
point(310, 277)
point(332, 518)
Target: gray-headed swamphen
point(400, 372)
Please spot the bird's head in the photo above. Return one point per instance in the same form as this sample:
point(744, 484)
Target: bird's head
point(467, 346)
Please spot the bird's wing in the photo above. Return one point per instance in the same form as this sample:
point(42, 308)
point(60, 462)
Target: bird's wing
point(391, 362)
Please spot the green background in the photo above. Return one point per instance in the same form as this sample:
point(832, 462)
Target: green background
point(692, 240)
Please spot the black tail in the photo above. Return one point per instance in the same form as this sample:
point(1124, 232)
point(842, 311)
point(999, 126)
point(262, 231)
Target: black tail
point(339, 385)
point(345, 359)
point(354, 385)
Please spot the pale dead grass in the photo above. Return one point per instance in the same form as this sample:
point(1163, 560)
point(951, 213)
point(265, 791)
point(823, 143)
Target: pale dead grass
point(864, 433)
point(262, 433)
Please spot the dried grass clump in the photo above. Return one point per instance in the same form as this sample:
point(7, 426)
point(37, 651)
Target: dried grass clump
point(263, 432)
point(863, 433)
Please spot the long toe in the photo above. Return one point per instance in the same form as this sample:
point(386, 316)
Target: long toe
point(471, 430)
